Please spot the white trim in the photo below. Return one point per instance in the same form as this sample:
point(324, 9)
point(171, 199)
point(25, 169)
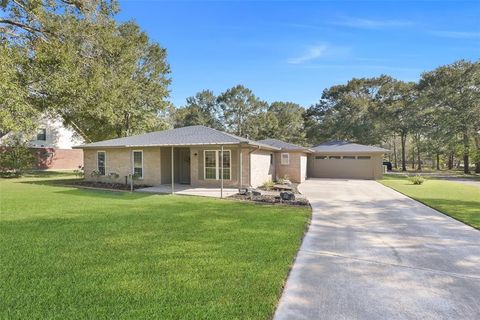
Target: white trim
point(205, 167)
point(285, 163)
point(133, 163)
point(217, 165)
point(104, 162)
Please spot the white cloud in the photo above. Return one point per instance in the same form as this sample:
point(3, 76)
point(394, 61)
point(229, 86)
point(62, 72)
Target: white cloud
point(318, 52)
point(457, 34)
point(312, 53)
point(372, 23)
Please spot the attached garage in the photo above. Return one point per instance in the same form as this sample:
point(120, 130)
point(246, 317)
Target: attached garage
point(340, 159)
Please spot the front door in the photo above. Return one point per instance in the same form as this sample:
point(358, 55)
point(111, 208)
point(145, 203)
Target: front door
point(184, 165)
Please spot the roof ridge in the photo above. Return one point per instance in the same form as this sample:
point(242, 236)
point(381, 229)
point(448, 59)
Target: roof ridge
point(284, 144)
point(223, 132)
point(342, 145)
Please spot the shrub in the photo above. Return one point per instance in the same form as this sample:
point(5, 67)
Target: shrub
point(79, 172)
point(16, 158)
point(416, 179)
point(268, 185)
point(113, 176)
point(95, 174)
point(284, 180)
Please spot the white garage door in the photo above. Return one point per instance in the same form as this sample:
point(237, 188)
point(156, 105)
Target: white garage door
point(342, 166)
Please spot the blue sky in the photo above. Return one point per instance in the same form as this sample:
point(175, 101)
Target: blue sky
point(292, 51)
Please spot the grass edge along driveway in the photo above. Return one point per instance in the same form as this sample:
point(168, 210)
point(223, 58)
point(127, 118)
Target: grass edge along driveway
point(71, 253)
point(459, 201)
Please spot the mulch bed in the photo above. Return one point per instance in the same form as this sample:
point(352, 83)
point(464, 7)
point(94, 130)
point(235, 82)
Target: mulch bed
point(107, 185)
point(269, 199)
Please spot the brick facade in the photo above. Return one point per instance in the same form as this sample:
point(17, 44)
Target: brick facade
point(58, 159)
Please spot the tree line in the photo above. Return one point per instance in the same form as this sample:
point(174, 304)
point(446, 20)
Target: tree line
point(435, 119)
point(72, 60)
point(240, 112)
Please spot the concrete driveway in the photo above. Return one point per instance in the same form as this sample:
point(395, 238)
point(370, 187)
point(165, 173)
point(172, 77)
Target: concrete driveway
point(372, 253)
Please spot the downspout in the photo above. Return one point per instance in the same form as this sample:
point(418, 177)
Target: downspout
point(240, 187)
point(173, 181)
point(221, 173)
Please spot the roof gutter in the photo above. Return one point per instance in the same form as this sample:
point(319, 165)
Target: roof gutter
point(86, 146)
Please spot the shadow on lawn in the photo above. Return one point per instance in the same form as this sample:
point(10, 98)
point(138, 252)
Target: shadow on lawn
point(467, 212)
point(98, 193)
point(79, 191)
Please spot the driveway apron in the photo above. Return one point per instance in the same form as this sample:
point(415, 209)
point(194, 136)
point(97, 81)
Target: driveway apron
point(373, 253)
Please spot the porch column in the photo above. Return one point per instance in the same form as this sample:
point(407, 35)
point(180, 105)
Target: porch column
point(221, 172)
point(241, 168)
point(173, 180)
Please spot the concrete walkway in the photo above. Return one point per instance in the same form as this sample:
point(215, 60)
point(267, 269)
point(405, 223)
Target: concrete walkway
point(190, 191)
point(372, 253)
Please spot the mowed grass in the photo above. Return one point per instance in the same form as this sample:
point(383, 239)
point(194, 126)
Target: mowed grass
point(69, 253)
point(457, 200)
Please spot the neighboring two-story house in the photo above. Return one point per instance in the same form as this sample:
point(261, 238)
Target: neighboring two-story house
point(52, 146)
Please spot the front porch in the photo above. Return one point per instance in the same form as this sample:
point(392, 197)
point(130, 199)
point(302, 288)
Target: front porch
point(190, 191)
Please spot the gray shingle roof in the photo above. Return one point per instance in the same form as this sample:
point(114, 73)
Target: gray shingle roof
point(344, 146)
point(192, 135)
point(284, 145)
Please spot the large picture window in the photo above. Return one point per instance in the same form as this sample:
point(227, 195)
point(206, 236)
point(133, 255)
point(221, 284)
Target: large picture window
point(138, 163)
point(213, 164)
point(101, 162)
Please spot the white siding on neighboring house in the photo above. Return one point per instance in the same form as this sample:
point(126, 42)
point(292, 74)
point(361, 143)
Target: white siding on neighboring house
point(56, 135)
point(303, 168)
point(261, 169)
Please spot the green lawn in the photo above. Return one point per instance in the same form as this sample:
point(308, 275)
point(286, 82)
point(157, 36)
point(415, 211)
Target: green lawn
point(69, 253)
point(457, 200)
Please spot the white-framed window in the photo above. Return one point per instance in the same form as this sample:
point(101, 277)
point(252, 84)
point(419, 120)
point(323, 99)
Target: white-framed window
point(42, 134)
point(212, 163)
point(101, 162)
point(334, 157)
point(348, 157)
point(320, 157)
point(137, 163)
point(285, 158)
point(364, 157)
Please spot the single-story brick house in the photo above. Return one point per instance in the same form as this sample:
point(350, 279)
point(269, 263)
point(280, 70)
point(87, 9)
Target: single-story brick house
point(193, 155)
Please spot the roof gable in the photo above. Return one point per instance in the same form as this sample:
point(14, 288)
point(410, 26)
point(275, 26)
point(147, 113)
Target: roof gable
point(284, 145)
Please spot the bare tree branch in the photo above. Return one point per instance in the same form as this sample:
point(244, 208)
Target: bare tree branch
point(24, 27)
